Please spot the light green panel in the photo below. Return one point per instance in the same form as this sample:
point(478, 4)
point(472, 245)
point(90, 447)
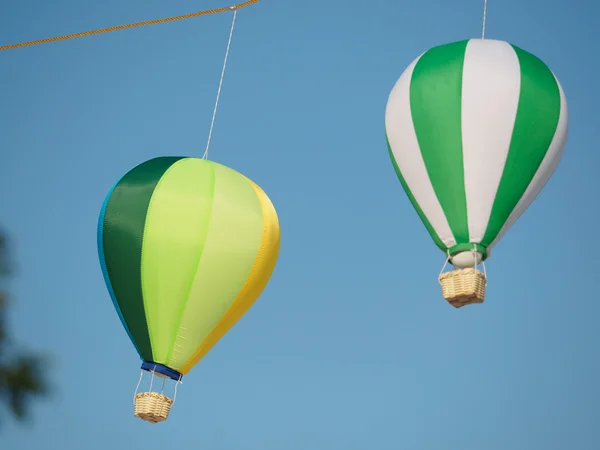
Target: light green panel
point(174, 236)
point(231, 247)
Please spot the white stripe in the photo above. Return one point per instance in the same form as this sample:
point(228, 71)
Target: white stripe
point(405, 148)
point(490, 98)
point(546, 169)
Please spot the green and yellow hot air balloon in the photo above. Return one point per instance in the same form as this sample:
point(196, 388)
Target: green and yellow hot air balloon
point(475, 129)
point(186, 246)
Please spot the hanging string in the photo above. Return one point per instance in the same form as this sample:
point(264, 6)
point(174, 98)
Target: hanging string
point(212, 122)
point(137, 388)
point(484, 18)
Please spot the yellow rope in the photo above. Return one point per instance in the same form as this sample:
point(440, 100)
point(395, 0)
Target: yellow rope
point(131, 25)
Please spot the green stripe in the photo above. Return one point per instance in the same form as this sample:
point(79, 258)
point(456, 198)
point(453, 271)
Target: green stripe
point(535, 125)
point(435, 103)
point(178, 220)
point(229, 252)
point(422, 215)
point(122, 242)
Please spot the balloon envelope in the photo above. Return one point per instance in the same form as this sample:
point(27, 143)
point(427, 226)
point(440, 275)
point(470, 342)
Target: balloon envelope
point(475, 129)
point(186, 246)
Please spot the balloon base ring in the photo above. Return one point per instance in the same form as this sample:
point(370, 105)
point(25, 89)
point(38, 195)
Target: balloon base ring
point(463, 287)
point(152, 406)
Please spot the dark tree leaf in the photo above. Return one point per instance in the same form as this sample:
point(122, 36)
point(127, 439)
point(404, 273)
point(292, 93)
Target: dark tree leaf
point(21, 376)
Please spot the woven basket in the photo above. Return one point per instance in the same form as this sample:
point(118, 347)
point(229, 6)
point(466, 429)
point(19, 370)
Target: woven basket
point(152, 407)
point(463, 287)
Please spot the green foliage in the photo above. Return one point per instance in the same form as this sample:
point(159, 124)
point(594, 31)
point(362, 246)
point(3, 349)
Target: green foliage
point(21, 374)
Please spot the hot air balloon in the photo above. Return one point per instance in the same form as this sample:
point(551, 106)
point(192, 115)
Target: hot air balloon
point(186, 246)
point(474, 129)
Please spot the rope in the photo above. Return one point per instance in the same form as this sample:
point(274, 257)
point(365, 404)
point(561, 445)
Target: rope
point(445, 264)
point(131, 25)
point(212, 122)
point(484, 18)
point(138, 385)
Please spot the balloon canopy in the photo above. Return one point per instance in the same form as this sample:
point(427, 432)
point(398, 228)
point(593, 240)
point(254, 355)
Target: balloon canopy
point(186, 246)
point(475, 129)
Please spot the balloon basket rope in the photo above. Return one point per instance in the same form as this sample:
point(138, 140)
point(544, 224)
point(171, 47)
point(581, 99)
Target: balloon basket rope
point(152, 406)
point(463, 287)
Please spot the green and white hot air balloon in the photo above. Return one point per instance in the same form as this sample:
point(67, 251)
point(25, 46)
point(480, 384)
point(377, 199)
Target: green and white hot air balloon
point(475, 129)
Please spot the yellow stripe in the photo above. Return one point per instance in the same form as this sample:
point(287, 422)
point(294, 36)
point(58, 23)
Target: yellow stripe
point(257, 279)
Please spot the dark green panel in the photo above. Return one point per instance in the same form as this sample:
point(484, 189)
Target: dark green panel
point(436, 108)
point(123, 231)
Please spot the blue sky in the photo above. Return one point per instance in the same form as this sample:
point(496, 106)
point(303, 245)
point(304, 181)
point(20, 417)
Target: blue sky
point(351, 345)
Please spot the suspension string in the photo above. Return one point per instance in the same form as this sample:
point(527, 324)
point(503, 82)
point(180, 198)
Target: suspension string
point(446, 263)
point(177, 383)
point(474, 251)
point(212, 122)
point(138, 385)
point(484, 272)
point(484, 19)
point(152, 380)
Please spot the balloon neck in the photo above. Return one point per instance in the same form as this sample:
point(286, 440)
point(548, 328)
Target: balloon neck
point(161, 370)
point(467, 255)
point(466, 259)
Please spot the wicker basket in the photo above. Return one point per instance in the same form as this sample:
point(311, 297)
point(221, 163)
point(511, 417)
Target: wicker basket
point(152, 407)
point(463, 287)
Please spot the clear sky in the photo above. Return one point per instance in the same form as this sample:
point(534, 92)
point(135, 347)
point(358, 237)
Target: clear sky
point(351, 346)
